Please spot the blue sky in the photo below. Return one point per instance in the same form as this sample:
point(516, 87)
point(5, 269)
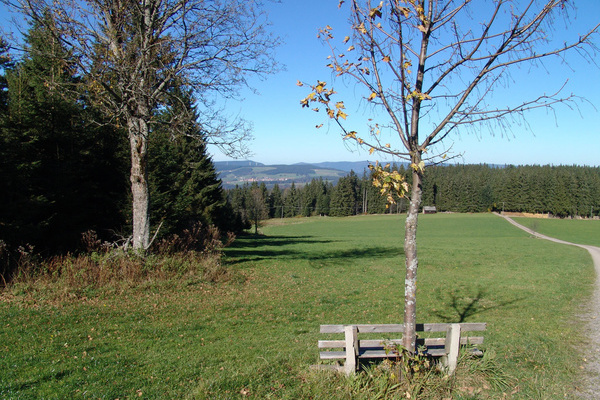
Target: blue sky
point(285, 133)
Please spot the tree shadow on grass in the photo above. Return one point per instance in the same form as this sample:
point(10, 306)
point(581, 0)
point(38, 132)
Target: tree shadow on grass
point(461, 304)
point(338, 257)
point(256, 248)
point(253, 241)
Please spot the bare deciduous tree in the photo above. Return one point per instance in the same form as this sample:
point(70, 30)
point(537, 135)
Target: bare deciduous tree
point(428, 68)
point(132, 52)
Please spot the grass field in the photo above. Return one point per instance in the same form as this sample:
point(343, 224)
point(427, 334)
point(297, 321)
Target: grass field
point(574, 231)
point(256, 337)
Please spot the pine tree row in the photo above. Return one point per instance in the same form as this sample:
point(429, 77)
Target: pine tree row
point(562, 191)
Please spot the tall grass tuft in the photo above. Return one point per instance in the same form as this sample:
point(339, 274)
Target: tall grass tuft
point(414, 377)
point(195, 254)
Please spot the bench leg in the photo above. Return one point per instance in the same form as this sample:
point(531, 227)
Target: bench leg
point(452, 347)
point(351, 332)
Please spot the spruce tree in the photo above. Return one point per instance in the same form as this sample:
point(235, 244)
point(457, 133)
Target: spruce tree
point(64, 176)
point(183, 181)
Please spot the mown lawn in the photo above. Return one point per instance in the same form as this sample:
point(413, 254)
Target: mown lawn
point(571, 230)
point(256, 337)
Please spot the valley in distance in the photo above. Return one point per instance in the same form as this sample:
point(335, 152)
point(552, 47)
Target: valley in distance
point(235, 172)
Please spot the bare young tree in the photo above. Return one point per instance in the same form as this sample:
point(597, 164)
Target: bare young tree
point(428, 68)
point(132, 52)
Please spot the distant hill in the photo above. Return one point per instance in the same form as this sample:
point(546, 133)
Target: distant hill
point(356, 166)
point(240, 172)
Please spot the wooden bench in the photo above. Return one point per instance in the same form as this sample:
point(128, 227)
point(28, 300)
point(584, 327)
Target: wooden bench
point(446, 347)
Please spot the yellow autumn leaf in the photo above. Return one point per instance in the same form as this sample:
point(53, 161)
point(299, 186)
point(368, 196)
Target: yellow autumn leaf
point(346, 39)
point(340, 105)
point(361, 28)
point(405, 11)
point(351, 48)
point(319, 126)
point(330, 113)
point(299, 83)
point(320, 86)
point(350, 135)
point(372, 96)
point(341, 114)
point(371, 150)
point(374, 13)
point(387, 59)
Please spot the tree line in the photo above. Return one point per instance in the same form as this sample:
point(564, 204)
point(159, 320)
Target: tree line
point(65, 162)
point(562, 191)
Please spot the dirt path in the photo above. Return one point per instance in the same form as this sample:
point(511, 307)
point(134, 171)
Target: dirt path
point(590, 316)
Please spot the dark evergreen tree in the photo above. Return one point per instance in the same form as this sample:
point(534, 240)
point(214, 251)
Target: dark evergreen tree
point(183, 181)
point(291, 201)
point(344, 199)
point(276, 202)
point(62, 175)
point(256, 204)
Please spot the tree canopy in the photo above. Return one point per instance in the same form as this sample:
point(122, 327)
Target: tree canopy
point(132, 53)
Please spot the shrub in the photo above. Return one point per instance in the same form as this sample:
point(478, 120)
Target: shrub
point(196, 253)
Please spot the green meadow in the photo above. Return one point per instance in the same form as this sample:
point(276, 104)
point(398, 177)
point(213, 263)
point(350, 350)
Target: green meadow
point(255, 336)
point(582, 231)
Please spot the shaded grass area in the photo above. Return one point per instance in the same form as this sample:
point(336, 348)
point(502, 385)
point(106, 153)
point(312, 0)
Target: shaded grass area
point(256, 339)
point(572, 230)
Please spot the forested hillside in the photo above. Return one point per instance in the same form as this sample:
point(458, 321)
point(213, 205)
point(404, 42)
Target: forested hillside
point(562, 191)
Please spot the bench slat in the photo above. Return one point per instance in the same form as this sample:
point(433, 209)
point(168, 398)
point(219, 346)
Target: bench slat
point(380, 353)
point(399, 328)
point(325, 344)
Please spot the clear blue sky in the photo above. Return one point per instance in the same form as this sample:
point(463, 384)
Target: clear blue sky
point(285, 133)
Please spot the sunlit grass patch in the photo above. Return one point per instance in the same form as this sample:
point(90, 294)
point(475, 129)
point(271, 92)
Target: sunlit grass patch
point(257, 337)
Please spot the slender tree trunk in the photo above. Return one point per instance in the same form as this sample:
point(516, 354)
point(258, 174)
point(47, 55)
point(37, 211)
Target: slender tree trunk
point(410, 251)
point(138, 139)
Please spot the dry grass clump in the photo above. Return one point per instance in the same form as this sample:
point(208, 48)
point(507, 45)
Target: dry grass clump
point(193, 255)
point(416, 377)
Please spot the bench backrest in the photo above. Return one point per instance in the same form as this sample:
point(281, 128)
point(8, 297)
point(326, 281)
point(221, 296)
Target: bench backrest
point(446, 346)
point(399, 328)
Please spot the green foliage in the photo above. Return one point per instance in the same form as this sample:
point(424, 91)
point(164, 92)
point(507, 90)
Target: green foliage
point(61, 175)
point(560, 191)
point(184, 186)
point(344, 198)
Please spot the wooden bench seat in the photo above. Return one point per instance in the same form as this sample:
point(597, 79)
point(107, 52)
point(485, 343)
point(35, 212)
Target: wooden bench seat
point(354, 349)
